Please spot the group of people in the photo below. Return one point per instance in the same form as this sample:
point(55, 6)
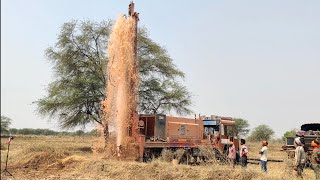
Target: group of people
point(232, 154)
point(300, 156)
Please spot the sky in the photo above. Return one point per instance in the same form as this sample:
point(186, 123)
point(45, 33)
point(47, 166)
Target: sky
point(256, 60)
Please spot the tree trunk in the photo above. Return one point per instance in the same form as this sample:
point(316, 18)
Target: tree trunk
point(106, 133)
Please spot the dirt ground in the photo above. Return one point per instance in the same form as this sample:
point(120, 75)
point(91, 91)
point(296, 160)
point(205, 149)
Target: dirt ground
point(45, 157)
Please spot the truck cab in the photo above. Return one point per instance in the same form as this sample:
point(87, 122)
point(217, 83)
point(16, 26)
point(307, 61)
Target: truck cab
point(220, 131)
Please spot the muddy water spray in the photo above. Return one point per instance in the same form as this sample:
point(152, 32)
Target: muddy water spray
point(122, 77)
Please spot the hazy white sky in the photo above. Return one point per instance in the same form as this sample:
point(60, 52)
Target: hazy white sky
point(258, 60)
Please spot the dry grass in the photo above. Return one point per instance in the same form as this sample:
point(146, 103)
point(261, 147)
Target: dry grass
point(274, 150)
point(71, 158)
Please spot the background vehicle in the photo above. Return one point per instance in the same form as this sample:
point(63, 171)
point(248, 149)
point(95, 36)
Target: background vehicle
point(307, 133)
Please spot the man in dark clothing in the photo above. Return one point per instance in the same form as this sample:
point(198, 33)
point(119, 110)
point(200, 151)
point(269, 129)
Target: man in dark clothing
point(243, 153)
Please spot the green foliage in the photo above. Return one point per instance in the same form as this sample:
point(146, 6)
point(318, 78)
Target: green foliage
point(241, 127)
point(160, 90)
point(291, 133)
point(94, 132)
point(261, 132)
point(14, 131)
point(30, 131)
point(79, 133)
point(5, 123)
point(66, 133)
point(79, 59)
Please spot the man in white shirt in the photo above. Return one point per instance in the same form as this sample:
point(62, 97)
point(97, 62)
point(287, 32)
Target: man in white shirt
point(264, 156)
point(300, 156)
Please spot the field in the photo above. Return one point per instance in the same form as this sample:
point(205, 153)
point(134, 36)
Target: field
point(45, 157)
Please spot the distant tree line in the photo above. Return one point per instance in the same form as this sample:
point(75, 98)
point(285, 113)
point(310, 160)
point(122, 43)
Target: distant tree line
point(5, 123)
point(49, 132)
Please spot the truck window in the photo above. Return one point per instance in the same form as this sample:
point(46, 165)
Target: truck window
point(229, 130)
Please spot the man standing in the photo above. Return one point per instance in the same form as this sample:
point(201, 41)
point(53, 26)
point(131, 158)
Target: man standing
point(232, 154)
point(264, 156)
point(243, 153)
point(300, 157)
point(315, 158)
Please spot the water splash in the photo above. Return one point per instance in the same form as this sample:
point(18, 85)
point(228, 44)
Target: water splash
point(122, 77)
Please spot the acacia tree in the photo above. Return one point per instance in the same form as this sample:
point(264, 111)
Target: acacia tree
point(79, 59)
point(241, 126)
point(261, 132)
point(160, 90)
